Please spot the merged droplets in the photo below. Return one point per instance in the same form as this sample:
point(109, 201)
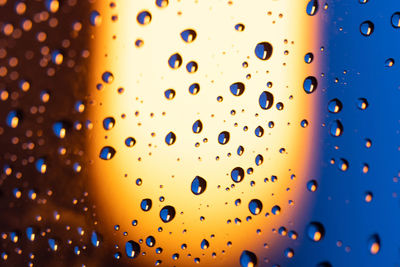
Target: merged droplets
point(336, 128)
point(167, 214)
point(310, 84)
point(107, 153)
point(263, 50)
point(237, 89)
point(395, 20)
point(188, 35)
point(175, 61)
point(335, 106)
point(312, 7)
point(144, 17)
point(248, 259)
point(108, 123)
point(223, 137)
point(366, 28)
point(255, 206)
point(237, 174)
point(198, 185)
point(170, 138)
point(374, 244)
point(315, 231)
point(266, 100)
point(13, 118)
point(132, 249)
point(197, 126)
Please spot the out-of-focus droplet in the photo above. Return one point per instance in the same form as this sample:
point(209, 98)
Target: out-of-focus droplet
point(237, 174)
point(170, 138)
point(368, 197)
point(312, 7)
point(237, 89)
point(132, 249)
point(263, 50)
point(362, 103)
point(197, 126)
point(336, 128)
point(188, 35)
point(223, 137)
point(144, 17)
point(194, 88)
point(30, 234)
point(366, 28)
point(130, 142)
point(95, 18)
point(310, 84)
point(146, 204)
point(60, 129)
point(266, 100)
point(315, 231)
point(150, 241)
point(198, 185)
point(204, 244)
point(255, 206)
point(14, 118)
point(95, 239)
point(248, 259)
point(167, 214)
point(41, 165)
point(107, 153)
point(52, 5)
point(395, 20)
point(374, 244)
point(289, 253)
point(175, 61)
point(169, 94)
point(108, 123)
point(53, 244)
point(335, 106)
point(308, 58)
point(107, 77)
point(276, 210)
point(57, 57)
point(389, 62)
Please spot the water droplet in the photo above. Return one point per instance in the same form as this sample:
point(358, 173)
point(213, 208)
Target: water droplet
point(248, 259)
point(362, 103)
point(95, 18)
point(276, 210)
point(95, 239)
point(223, 137)
point(132, 249)
point(13, 118)
point(395, 20)
point(107, 77)
point(199, 185)
point(237, 89)
point(315, 231)
point(259, 160)
point(197, 126)
point(240, 150)
point(130, 142)
point(336, 128)
point(150, 241)
point(194, 88)
point(374, 244)
point(191, 67)
point(204, 244)
point(167, 214)
point(144, 17)
point(188, 35)
point(263, 50)
point(312, 7)
point(259, 131)
point(170, 138)
point(312, 186)
point(57, 57)
point(108, 123)
point(237, 174)
point(146, 204)
point(289, 253)
point(175, 61)
point(41, 165)
point(52, 5)
point(308, 58)
point(343, 165)
point(169, 94)
point(266, 100)
point(107, 153)
point(310, 84)
point(30, 234)
point(53, 244)
point(389, 62)
point(162, 3)
point(335, 106)
point(367, 28)
point(239, 27)
point(255, 206)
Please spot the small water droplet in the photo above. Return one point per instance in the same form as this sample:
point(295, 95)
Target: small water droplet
point(197, 126)
point(107, 77)
point(335, 106)
point(14, 118)
point(130, 142)
point(204, 244)
point(108, 123)
point(308, 58)
point(150, 241)
point(194, 88)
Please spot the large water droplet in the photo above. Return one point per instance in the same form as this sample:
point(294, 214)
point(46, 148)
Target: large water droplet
point(255, 206)
point(263, 50)
point(367, 28)
point(315, 231)
point(199, 185)
point(167, 214)
point(237, 89)
point(237, 174)
point(188, 35)
point(266, 100)
point(223, 137)
point(248, 259)
point(310, 84)
point(312, 7)
point(170, 138)
point(132, 249)
point(107, 153)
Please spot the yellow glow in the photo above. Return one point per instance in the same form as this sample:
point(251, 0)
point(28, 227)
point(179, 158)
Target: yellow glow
point(143, 112)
